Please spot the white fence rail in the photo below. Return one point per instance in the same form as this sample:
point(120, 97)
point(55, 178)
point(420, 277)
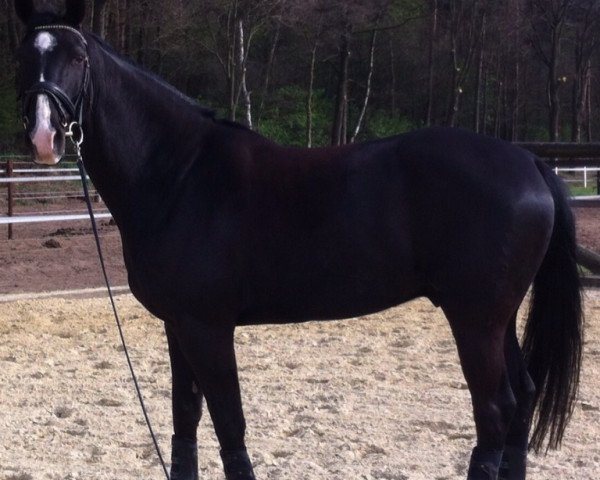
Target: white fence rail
point(4, 220)
point(11, 177)
point(585, 170)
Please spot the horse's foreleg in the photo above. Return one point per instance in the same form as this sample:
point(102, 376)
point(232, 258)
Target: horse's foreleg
point(514, 460)
point(481, 349)
point(187, 410)
point(209, 349)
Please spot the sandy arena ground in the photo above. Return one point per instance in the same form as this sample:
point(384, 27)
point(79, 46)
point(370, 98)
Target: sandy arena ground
point(379, 397)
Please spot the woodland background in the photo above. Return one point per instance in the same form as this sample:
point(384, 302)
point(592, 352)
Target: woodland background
point(317, 72)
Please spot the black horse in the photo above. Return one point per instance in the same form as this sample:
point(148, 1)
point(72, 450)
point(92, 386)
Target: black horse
point(222, 227)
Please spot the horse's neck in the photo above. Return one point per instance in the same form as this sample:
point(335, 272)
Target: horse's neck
point(137, 133)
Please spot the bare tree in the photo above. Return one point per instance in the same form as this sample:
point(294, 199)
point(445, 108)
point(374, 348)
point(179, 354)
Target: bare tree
point(585, 15)
point(367, 96)
point(547, 19)
point(466, 21)
point(431, 59)
point(340, 117)
point(98, 17)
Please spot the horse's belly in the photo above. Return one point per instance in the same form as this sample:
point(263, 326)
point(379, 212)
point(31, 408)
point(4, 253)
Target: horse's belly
point(324, 297)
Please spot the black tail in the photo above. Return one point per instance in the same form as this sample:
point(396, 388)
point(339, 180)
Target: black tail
point(553, 338)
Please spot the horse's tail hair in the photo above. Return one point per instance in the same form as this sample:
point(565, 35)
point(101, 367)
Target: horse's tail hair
point(553, 337)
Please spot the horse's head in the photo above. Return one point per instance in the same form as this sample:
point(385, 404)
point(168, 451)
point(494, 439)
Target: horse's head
point(53, 77)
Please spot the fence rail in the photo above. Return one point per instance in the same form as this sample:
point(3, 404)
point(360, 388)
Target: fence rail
point(49, 218)
point(11, 177)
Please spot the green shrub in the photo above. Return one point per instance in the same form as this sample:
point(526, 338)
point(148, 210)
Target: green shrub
point(284, 117)
point(381, 123)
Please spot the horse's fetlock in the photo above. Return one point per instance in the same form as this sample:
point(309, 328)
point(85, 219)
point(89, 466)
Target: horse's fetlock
point(237, 465)
point(184, 459)
point(484, 464)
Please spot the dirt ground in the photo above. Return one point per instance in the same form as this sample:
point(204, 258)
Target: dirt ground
point(374, 398)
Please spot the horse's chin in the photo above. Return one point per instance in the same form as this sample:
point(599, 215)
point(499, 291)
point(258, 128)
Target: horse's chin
point(47, 159)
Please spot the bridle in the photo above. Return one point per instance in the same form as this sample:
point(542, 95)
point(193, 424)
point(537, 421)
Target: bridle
point(70, 111)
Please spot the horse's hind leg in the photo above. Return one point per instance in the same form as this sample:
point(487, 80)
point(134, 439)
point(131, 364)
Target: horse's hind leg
point(480, 341)
point(514, 459)
point(208, 349)
point(187, 410)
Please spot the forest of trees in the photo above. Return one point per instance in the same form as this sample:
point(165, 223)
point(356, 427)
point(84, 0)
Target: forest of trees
point(316, 72)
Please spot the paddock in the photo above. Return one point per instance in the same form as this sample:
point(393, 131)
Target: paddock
point(69, 410)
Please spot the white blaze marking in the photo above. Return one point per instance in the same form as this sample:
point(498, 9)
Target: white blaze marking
point(42, 135)
point(45, 42)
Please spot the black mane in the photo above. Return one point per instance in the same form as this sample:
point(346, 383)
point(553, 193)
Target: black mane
point(208, 113)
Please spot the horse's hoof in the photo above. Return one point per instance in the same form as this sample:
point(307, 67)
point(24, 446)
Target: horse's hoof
point(484, 464)
point(184, 459)
point(237, 465)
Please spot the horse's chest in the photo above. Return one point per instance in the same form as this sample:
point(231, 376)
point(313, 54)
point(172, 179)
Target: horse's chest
point(175, 281)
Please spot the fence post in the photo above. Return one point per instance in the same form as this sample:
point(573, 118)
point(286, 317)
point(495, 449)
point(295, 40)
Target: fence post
point(9, 172)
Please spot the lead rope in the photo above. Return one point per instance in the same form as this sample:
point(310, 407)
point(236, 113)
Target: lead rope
point(77, 143)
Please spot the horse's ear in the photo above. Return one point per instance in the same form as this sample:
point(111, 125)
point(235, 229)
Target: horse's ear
point(75, 12)
point(24, 9)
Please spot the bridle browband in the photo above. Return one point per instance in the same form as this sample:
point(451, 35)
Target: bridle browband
point(70, 111)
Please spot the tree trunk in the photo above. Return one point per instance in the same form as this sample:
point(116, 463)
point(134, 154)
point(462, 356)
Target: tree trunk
point(484, 113)
point(268, 70)
point(341, 101)
point(461, 61)
point(393, 77)
point(98, 22)
point(309, 97)
point(517, 77)
point(553, 100)
point(589, 109)
point(122, 26)
point(499, 91)
point(456, 89)
point(430, 81)
point(242, 64)
point(479, 83)
point(363, 110)
point(11, 24)
point(231, 66)
point(581, 81)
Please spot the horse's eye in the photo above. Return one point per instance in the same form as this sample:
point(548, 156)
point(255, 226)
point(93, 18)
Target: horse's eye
point(79, 59)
